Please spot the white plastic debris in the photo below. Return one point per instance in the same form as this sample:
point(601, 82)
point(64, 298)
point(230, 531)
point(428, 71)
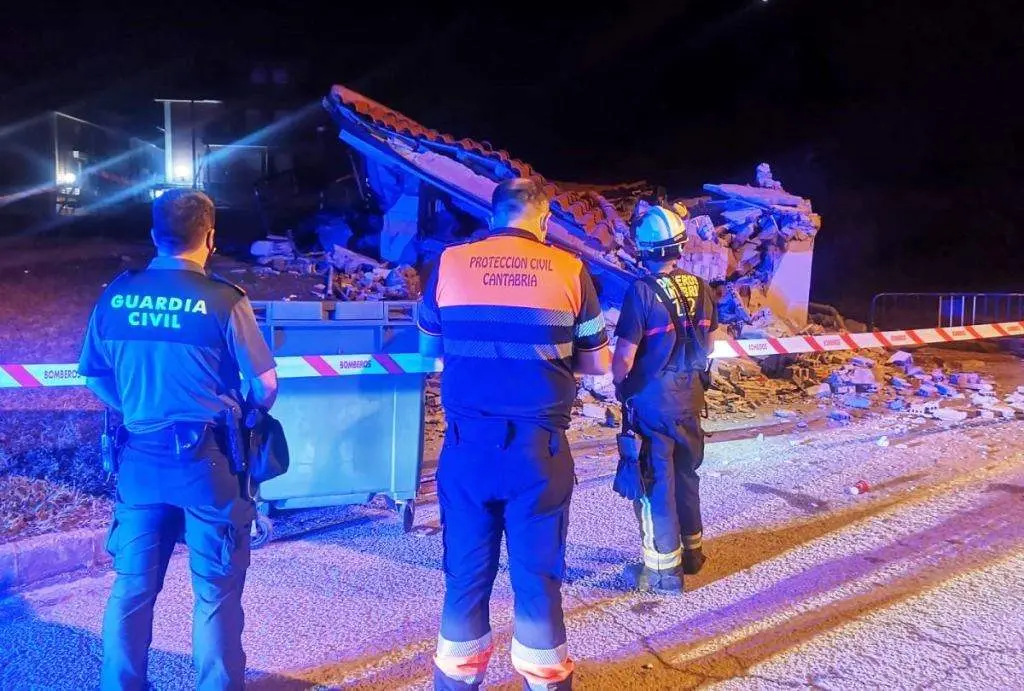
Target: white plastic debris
point(883, 441)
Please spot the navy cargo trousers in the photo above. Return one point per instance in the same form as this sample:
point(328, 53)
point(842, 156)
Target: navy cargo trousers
point(161, 497)
point(499, 477)
point(668, 414)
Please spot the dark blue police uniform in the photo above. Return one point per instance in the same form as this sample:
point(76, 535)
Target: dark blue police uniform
point(176, 342)
point(511, 312)
point(665, 392)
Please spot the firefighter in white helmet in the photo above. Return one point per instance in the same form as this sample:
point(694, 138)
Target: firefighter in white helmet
point(661, 372)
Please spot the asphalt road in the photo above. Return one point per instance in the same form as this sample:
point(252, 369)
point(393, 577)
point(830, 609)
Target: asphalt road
point(916, 584)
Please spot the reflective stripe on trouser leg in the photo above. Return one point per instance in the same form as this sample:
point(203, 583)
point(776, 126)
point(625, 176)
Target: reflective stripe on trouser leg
point(653, 559)
point(542, 668)
point(693, 542)
point(464, 661)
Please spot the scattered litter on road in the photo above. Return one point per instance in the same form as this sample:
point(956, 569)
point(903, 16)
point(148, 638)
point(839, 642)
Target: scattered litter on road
point(861, 487)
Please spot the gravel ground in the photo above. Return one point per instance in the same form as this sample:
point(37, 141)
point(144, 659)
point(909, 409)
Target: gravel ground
point(915, 584)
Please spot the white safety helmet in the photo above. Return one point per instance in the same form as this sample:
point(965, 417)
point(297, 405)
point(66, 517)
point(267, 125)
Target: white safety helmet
point(660, 234)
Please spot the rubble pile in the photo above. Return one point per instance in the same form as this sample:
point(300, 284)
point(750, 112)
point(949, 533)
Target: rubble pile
point(837, 382)
point(738, 233)
point(739, 386)
point(347, 275)
point(918, 386)
point(737, 237)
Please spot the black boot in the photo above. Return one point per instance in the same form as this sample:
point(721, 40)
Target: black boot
point(693, 561)
point(643, 579)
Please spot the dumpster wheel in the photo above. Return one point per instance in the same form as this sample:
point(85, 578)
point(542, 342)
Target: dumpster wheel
point(408, 511)
point(262, 531)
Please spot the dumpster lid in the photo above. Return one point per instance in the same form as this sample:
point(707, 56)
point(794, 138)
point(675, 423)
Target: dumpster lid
point(399, 312)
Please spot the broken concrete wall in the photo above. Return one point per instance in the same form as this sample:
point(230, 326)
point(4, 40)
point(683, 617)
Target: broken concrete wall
point(398, 196)
point(788, 291)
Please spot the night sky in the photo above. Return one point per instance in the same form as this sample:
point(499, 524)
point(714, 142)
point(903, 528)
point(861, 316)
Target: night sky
point(902, 121)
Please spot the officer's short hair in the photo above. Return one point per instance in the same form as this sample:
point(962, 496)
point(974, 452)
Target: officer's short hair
point(181, 219)
point(515, 197)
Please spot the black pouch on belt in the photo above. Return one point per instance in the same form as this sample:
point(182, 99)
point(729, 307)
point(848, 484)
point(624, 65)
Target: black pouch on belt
point(236, 446)
point(268, 448)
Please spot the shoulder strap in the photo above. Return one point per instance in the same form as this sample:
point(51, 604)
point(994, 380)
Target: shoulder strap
point(680, 329)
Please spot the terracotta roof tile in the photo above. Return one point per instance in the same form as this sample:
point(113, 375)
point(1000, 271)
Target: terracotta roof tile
point(594, 215)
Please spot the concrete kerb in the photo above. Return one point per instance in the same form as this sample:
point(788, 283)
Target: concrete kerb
point(34, 559)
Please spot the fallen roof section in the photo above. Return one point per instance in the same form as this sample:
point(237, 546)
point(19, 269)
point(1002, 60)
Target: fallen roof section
point(583, 222)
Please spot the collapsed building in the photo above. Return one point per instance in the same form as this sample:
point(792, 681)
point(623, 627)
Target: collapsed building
point(429, 189)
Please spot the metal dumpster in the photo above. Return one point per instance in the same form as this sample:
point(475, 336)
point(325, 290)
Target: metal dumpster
point(350, 437)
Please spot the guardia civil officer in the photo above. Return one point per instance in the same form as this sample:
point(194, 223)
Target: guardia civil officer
point(660, 371)
point(514, 318)
point(165, 346)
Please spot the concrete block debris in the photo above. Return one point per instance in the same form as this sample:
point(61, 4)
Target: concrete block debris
point(860, 402)
point(923, 408)
point(901, 358)
point(1004, 411)
point(949, 414)
point(964, 378)
point(839, 416)
point(983, 399)
point(818, 391)
point(861, 361)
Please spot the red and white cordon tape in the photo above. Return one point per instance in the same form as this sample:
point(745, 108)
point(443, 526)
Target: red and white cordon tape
point(288, 367)
point(310, 366)
point(763, 347)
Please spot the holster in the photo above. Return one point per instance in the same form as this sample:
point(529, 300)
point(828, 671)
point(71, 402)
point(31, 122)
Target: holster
point(112, 441)
point(235, 442)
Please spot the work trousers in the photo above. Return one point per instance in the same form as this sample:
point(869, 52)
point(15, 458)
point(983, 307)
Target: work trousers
point(667, 414)
point(160, 499)
point(499, 477)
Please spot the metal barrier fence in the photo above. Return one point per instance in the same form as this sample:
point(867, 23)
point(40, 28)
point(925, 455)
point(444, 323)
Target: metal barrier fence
point(944, 310)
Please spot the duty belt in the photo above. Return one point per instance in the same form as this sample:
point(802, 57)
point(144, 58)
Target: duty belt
point(180, 436)
point(499, 432)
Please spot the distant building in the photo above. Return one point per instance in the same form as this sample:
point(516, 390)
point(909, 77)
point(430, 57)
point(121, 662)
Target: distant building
point(258, 127)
